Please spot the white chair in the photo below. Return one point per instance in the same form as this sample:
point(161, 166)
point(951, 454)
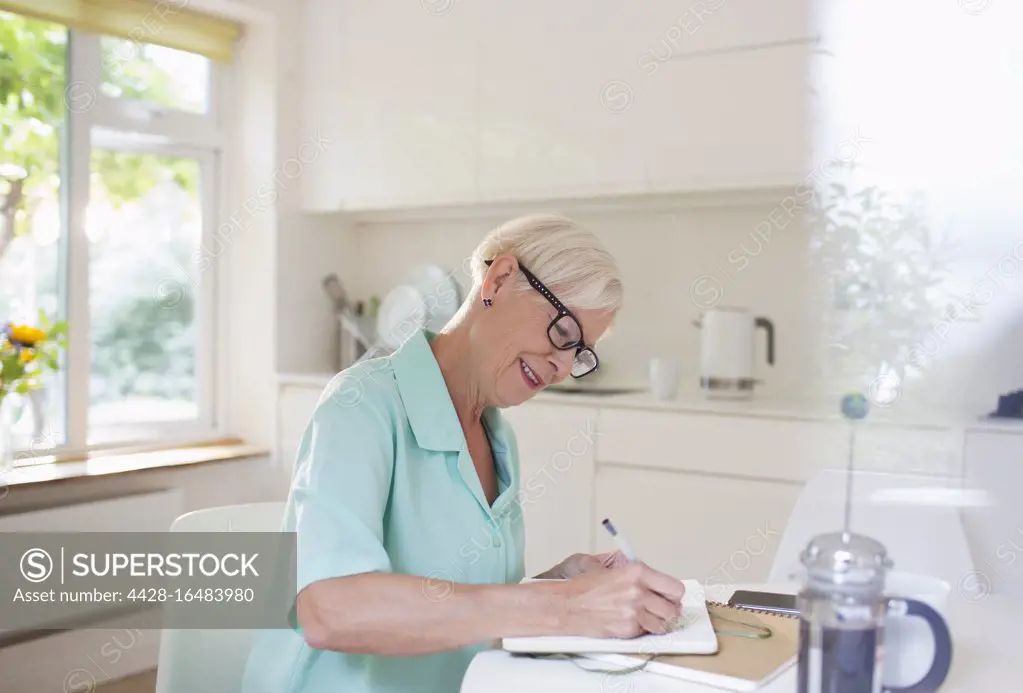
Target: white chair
point(213, 661)
point(916, 518)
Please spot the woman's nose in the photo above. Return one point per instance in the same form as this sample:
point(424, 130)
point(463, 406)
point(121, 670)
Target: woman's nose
point(562, 362)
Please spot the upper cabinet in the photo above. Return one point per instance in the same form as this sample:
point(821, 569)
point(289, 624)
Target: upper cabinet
point(450, 102)
point(554, 120)
point(731, 120)
point(393, 87)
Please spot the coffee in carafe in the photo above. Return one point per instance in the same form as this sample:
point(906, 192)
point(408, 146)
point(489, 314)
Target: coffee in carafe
point(843, 609)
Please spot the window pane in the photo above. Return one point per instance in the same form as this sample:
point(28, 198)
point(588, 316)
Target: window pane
point(144, 223)
point(33, 56)
point(158, 75)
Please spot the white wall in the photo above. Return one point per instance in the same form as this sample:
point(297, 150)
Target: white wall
point(308, 246)
point(661, 256)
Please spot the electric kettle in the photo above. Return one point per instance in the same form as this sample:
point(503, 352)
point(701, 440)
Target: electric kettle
point(728, 351)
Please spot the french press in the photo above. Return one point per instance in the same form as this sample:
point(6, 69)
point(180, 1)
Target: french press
point(843, 607)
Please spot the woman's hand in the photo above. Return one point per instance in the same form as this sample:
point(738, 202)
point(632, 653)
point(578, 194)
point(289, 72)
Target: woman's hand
point(579, 563)
point(623, 603)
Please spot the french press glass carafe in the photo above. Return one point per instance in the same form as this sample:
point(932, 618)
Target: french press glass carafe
point(842, 615)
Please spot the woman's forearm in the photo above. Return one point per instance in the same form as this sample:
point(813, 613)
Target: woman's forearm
point(390, 614)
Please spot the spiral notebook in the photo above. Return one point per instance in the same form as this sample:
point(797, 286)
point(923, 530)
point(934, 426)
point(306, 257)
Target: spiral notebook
point(740, 663)
point(694, 635)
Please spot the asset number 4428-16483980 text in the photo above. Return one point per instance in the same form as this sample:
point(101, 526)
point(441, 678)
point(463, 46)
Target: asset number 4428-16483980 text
point(196, 594)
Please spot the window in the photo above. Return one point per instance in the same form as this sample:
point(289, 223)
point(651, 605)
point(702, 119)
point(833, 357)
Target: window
point(109, 171)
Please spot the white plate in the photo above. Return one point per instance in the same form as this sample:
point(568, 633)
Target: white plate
point(402, 312)
point(428, 297)
point(441, 294)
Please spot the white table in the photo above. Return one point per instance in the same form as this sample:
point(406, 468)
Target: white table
point(986, 658)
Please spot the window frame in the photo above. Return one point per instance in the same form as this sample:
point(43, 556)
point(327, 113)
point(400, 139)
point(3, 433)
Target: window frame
point(130, 125)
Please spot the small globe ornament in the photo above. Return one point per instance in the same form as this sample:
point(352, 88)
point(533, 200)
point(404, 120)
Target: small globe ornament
point(855, 406)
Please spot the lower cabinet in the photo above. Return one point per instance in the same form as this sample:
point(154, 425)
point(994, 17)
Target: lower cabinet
point(713, 510)
point(994, 525)
point(556, 453)
point(717, 530)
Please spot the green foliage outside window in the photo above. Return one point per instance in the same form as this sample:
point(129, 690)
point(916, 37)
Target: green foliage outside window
point(135, 348)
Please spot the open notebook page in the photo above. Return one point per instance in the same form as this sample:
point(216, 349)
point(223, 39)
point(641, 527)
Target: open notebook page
point(695, 635)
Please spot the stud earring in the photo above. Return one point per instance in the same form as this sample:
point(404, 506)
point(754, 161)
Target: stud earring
point(488, 302)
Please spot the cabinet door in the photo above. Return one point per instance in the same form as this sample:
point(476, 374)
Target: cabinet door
point(556, 470)
point(295, 406)
point(723, 92)
point(994, 528)
point(751, 446)
point(717, 530)
point(675, 31)
point(555, 116)
point(395, 86)
point(737, 119)
point(907, 450)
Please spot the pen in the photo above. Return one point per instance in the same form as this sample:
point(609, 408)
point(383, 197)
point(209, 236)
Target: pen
point(620, 541)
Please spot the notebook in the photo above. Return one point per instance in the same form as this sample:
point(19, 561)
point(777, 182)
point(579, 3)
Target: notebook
point(694, 636)
point(740, 664)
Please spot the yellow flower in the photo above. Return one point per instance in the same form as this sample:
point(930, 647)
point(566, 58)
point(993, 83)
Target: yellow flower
point(24, 335)
point(26, 355)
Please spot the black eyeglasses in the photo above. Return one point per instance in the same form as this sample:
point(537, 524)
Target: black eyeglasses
point(565, 332)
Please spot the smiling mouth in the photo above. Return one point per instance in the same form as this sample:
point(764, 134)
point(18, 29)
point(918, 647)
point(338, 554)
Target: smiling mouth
point(532, 378)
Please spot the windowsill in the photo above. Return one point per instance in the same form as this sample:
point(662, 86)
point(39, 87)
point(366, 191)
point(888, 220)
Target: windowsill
point(51, 469)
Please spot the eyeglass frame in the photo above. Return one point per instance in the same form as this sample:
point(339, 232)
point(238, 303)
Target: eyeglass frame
point(579, 345)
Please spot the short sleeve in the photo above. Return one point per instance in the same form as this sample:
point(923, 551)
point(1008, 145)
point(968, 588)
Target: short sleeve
point(339, 491)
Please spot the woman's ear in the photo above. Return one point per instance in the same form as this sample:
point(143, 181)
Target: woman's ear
point(500, 274)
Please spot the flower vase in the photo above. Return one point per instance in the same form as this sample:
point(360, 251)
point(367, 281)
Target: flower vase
point(10, 410)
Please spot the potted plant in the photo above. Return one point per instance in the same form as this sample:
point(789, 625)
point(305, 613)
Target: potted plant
point(26, 354)
point(885, 272)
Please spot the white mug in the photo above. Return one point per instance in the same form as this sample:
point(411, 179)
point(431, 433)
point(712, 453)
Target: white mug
point(908, 642)
point(665, 374)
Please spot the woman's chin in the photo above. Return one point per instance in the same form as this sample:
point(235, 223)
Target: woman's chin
point(516, 394)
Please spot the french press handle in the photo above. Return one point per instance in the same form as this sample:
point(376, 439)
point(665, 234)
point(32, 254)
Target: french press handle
point(942, 662)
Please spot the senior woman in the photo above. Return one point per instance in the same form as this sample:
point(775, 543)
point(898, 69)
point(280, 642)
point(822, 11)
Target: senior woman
point(406, 496)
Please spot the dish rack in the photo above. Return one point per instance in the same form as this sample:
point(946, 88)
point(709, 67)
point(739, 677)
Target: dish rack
point(357, 337)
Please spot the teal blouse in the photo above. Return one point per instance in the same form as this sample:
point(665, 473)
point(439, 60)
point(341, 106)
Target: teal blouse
point(383, 481)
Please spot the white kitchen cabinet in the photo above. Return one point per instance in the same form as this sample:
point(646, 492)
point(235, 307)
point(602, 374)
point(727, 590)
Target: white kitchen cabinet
point(616, 98)
point(674, 30)
point(713, 529)
point(772, 448)
point(556, 453)
point(920, 450)
point(393, 87)
point(555, 120)
point(994, 472)
point(443, 102)
point(758, 447)
point(738, 119)
point(295, 406)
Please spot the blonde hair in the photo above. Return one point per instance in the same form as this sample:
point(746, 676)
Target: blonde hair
point(569, 259)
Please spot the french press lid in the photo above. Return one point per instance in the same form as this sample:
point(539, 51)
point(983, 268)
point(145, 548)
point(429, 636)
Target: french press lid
point(846, 561)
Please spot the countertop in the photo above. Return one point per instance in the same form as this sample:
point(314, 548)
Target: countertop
point(760, 407)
